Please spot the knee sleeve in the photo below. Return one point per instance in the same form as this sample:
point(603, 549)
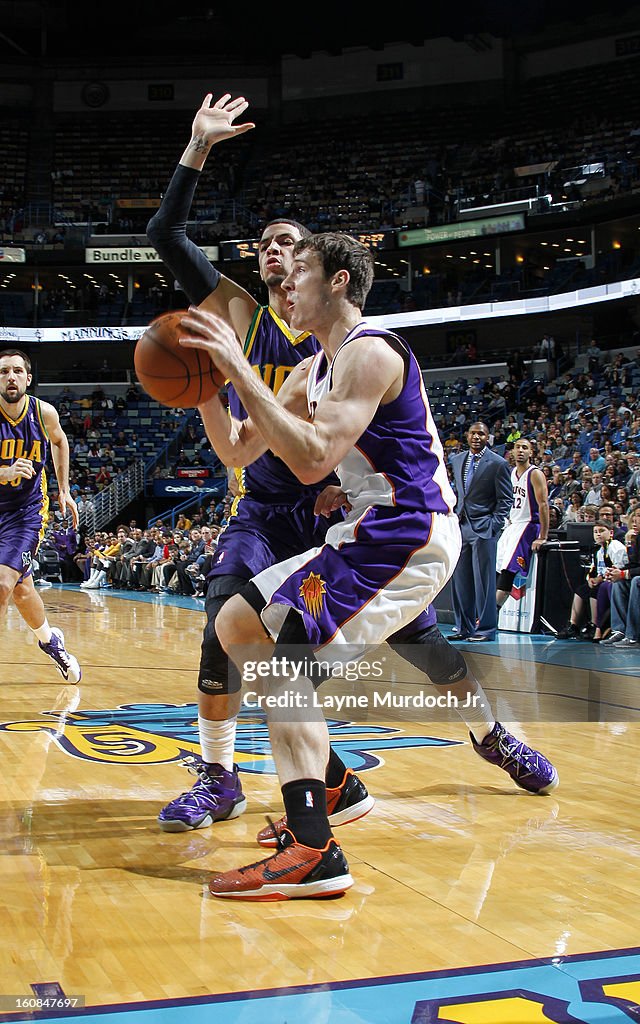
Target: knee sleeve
point(505, 581)
point(430, 652)
point(214, 676)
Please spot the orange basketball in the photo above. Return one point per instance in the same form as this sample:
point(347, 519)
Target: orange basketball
point(170, 373)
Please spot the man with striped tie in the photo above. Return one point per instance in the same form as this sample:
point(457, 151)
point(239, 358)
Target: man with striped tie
point(482, 482)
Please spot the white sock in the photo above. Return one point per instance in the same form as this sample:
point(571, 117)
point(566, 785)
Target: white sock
point(479, 716)
point(217, 740)
point(43, 632)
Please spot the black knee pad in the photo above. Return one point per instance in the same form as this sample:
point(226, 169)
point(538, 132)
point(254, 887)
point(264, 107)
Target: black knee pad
point(430, 652)
point(214, 675)
point(505, 581)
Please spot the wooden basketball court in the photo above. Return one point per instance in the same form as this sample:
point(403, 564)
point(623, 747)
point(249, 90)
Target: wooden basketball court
point(473, 901)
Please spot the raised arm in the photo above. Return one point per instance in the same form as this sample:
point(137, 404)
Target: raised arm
point(167, 229)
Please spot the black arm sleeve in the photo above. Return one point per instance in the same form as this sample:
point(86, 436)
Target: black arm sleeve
point(167, 231)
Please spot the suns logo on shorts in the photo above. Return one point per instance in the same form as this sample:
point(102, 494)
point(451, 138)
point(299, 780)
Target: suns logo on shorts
point(312, 591)
point(521, 562)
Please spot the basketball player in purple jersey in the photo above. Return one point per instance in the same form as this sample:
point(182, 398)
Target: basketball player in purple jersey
point(275, 516)
point(359, 405)
point(528, 523)
point(27, 428)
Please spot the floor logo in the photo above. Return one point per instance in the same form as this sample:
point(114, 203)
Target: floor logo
point(158, 733)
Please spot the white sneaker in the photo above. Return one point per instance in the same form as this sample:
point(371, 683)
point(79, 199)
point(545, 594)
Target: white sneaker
point(613, 638)
point(99, 581)
point(627, 644)
point(66, 664)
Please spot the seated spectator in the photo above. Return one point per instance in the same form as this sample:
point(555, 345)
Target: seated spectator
point(594, 493)
point(590, 513)
point(557, 483)
point(596, 591)
point(99, 563)
point(606, 494)
point(145, 553)
point(633, 480)
point(102, 478)
point(121, 573)
point(572, 511)
point(158, 557)
point(607, 513)
point(187, 566)
point(625, 593)
point(597, 462)
point(573, 484)
point(83, 556)
point(113, 556)
point(513, 432)
point(555, 520)
point(169, 553)
point(622, 496)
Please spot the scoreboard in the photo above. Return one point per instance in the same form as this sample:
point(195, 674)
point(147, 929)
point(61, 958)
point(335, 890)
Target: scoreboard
point(247, 249)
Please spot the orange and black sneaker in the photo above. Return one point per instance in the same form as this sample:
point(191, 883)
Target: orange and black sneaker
point(294, 872)
point(348, 802)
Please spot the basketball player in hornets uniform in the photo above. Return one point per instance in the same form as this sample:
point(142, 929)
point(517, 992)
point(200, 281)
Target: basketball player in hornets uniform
point(527, 527)
point(27, 428)
point(360, 405)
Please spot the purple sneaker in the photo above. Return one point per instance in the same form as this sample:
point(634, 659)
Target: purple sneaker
point(528, 768)
point(66, 664)
point(216, 796)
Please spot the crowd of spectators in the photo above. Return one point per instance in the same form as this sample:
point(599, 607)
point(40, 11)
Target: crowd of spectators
point(585, 429)
point(158, 559)
point(98, 447)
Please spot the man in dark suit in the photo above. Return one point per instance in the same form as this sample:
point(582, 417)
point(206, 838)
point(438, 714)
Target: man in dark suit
point(482, 481)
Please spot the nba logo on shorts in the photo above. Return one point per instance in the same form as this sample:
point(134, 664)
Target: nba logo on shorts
point(26, 558)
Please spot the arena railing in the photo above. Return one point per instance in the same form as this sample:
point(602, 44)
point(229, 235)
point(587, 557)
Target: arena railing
point(105, 505)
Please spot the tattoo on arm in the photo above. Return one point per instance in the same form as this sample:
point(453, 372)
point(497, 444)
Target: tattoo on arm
point(199, 145)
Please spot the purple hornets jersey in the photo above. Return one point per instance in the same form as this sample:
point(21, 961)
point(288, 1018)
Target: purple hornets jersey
point(273, 350)
point(26, 438)
point(398, 461)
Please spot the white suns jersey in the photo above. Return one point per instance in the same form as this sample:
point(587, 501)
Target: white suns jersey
point(398, 460)
point(525, 507)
